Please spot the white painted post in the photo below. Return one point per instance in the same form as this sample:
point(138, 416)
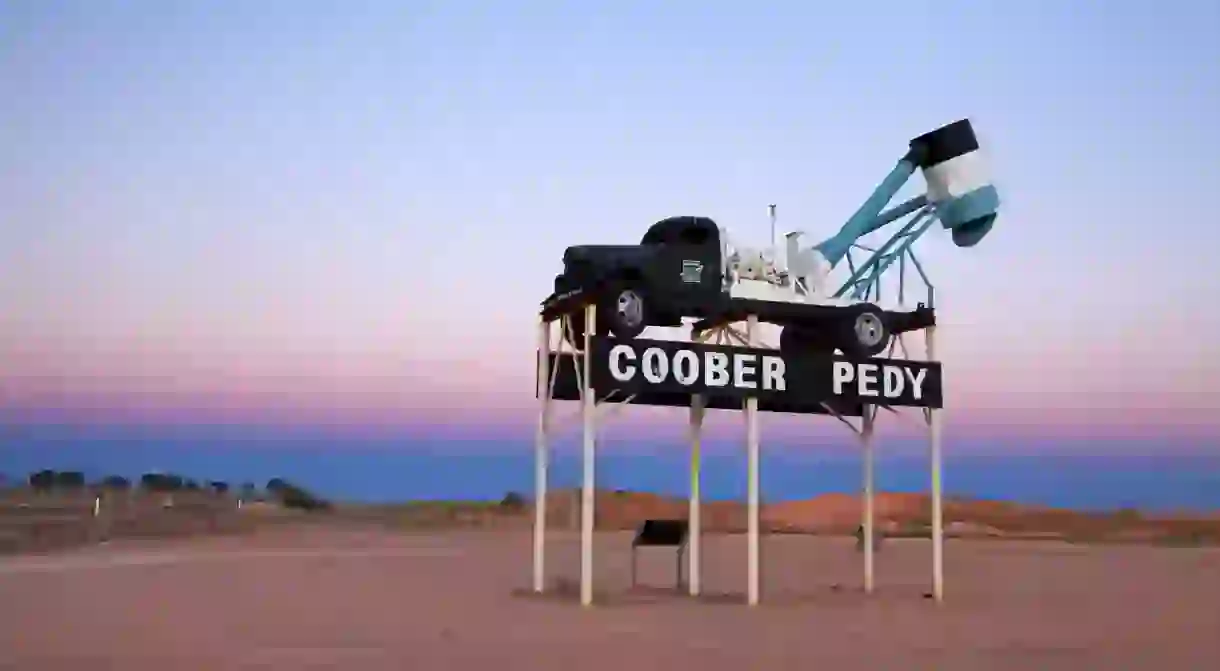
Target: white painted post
point(694, 550)
point(935, 419)
point(589, 418)
point(866, 440)
point(541, 456)
point(752, 477)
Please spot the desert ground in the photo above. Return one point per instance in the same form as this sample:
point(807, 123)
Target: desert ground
point(352, 596)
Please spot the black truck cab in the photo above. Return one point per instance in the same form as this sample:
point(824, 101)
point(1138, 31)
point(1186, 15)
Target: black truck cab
point(675, 271)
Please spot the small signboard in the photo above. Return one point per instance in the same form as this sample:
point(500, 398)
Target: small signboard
point(661, 533)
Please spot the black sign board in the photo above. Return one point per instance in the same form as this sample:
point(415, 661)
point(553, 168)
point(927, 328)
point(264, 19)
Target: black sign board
point(566, 387)
point(673, 367)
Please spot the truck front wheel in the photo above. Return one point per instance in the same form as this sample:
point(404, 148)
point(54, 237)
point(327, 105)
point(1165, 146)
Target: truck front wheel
point(624, 312)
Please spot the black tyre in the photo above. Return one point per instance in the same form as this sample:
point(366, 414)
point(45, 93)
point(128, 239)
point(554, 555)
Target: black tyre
point(623, 311)
point(864, 332)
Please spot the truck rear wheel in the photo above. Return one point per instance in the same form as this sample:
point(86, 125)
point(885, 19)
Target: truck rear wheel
point(864, 333)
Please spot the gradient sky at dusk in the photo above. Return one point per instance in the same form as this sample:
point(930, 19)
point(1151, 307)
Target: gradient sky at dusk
point(346, 212)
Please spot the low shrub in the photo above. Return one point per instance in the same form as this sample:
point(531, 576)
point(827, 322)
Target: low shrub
point(513, 501)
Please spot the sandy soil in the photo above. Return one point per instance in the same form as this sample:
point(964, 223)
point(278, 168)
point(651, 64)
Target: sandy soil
point(329, 598)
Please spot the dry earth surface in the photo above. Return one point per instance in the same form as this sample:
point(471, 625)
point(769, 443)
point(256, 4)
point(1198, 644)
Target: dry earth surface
point(40, 522)
point(367, 597)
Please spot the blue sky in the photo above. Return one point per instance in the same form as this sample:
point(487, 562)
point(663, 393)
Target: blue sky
point(345, 206)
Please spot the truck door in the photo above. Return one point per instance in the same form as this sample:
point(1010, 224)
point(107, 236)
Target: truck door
point(691, 266)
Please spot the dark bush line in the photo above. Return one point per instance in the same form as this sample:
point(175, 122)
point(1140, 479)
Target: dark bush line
point(513, 501)
point(286, 493)
point(47, 479)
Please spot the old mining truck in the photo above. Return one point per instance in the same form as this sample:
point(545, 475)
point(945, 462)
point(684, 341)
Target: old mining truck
point(686, 267)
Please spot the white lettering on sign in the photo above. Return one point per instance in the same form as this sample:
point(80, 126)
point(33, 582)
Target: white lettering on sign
point(617, 354)
point(743, 368)
point(686, 367)
point(716, 367)
point(844, 373)
point(891, 382)
point(655, 365)
point(773, 374)
point(878, 380)
point(916, 378)
point(866, 373)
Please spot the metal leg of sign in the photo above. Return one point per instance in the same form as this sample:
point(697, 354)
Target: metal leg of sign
point(752, 521)
point(589, 421)
point(693, 556)
point(866, 440)
point(938, 530)
point(541, 454)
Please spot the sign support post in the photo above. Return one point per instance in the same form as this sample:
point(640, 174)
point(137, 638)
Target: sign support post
point(694, 543)
point(589, 436)
point(752, 479)
point(541, 456)
point(866, 439)
point(938, 530)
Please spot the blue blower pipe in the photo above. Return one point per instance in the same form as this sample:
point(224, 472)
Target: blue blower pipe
point(861, 223)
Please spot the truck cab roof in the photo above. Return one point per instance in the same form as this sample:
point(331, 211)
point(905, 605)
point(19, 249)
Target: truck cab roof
point(683, 230)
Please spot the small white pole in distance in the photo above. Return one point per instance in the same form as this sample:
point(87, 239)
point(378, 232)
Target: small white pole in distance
point(97, 506)
point(540, 454)
point(866, 441)
point(588, 417)
point(752, 522)
point(938, 531)
point(771, 216)
point(693, 541)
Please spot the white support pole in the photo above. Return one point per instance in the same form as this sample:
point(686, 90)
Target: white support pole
point(589, 419)
point(541, 454)
point(693, 556)
point(869, 525)
point(752, 522)
point(938, 530)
